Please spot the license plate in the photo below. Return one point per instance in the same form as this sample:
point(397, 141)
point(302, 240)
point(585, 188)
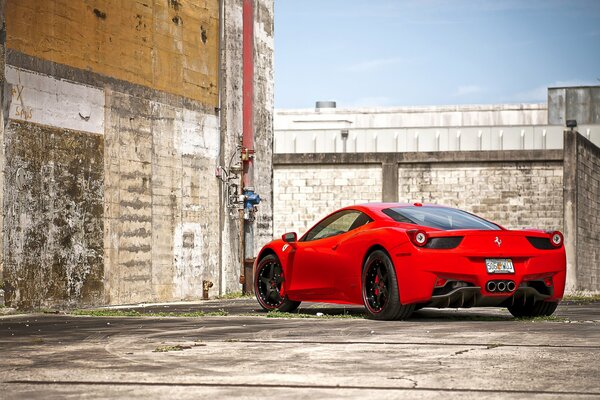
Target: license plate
point(499, 266)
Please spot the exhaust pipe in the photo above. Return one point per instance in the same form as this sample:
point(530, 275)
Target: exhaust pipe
point(511, 286)
point(491, 286)
point(501, 286)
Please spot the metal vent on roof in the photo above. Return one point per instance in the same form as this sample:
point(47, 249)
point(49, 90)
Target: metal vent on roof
point(325, 104)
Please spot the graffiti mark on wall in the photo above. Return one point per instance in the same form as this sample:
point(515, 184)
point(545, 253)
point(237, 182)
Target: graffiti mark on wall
point(23, 112)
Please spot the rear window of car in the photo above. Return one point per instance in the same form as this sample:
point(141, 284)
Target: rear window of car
point(439, 217)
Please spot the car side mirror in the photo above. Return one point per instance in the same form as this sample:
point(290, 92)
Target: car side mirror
point(289, 237)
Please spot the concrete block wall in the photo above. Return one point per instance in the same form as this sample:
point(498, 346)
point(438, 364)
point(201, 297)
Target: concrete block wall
point(547, 189)
point(588, 215)
point(582, 212)
point(303, 194)
point(513, 194)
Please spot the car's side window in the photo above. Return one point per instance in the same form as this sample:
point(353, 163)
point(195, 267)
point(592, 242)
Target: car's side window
point(338, 223)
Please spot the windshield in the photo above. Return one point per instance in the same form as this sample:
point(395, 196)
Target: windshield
point(439, 217)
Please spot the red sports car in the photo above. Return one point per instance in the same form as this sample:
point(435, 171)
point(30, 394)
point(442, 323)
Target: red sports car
point(395, 258)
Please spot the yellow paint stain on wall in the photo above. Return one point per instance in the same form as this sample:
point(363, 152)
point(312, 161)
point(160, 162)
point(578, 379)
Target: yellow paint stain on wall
point(169, 45)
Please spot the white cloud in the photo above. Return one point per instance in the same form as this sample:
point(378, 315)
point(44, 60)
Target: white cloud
point(467, 90)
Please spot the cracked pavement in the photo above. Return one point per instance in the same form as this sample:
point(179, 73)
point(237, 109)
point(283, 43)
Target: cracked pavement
point(450, 353)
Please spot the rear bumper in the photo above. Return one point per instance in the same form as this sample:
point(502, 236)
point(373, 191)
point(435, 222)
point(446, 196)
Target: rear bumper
point(418, 270)
point(473, 296)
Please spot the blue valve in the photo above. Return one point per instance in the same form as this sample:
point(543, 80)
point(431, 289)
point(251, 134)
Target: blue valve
point(251, 199)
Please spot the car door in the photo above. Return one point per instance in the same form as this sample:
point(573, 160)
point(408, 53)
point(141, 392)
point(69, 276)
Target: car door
point(315, 262)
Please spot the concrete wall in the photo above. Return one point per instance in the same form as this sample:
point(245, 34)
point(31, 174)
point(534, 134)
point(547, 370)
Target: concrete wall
point(582, 212)
point(579, 103)
point(54, 218)
point(170, 45)
point(113, 136)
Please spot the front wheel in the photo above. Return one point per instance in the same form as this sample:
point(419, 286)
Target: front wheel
point(268, 283)
point(533, 309)
point(380, 289)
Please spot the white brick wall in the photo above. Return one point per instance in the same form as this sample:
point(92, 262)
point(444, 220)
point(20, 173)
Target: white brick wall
point(305, 194)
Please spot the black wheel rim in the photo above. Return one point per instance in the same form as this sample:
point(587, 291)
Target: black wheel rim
point(377, 284)
point(269, 280)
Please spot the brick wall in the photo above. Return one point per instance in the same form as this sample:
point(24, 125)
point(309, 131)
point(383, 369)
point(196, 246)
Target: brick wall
point(515, 195)
point(588, 215)
point(303, 194)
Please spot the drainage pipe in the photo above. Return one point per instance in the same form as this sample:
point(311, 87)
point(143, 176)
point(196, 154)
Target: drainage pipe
point(247, 228)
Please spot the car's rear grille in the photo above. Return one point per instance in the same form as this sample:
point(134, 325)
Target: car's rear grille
point(541, 243)
point(444, 242)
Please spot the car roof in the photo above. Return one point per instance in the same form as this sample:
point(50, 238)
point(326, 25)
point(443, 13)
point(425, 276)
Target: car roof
point(375, 209)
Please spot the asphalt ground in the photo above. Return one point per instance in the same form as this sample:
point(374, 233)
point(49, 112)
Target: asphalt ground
point(450, 354)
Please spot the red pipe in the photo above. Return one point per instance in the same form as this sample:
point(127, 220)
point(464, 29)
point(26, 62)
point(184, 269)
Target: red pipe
point(248, 93)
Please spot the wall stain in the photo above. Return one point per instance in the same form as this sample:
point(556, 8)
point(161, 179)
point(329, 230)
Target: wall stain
point(99, 14)
point(203, 34)
point(54, 217)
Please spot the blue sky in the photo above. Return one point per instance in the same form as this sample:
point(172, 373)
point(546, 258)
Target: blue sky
point(432, 52)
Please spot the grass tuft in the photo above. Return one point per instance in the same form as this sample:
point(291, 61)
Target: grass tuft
point(543, 318)
point(234, 295)
point(165, 349)
point(279, 314)
point(134, 313)
point(582, 298)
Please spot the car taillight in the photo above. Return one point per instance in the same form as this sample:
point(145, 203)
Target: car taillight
point(556, 239)
point(418, 237)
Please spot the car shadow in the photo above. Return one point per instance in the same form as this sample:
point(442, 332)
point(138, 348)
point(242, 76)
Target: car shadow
point(433, 314)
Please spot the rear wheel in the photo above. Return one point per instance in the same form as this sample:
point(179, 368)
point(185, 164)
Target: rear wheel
point(267, 286)
point(380, 289)
point(533, 309)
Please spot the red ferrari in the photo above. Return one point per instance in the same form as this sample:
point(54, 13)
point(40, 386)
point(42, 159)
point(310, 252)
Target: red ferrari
point(395, 258)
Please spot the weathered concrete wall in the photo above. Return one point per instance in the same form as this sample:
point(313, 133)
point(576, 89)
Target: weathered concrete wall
point(3, 94)
point(513, 194)
point(141, 81)
point(161, 239)
point(53, 249)
point(579, 103)
point(231, 131)
point(170, 45)
point(263, 120)
point(582, 212)
point(306, 193)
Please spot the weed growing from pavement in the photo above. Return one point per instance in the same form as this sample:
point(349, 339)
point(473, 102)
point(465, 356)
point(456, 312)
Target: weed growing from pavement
point(234, 295)
point(165, 349)
point(582, 298)
point(279, 314)
point(544, 318)
point(134, 313)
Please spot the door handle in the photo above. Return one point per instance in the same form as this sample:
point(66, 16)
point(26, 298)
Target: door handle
point(335, 246)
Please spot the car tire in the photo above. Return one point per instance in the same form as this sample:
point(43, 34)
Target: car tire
point(533, 309)
point(380, 289)
point(268, 281)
